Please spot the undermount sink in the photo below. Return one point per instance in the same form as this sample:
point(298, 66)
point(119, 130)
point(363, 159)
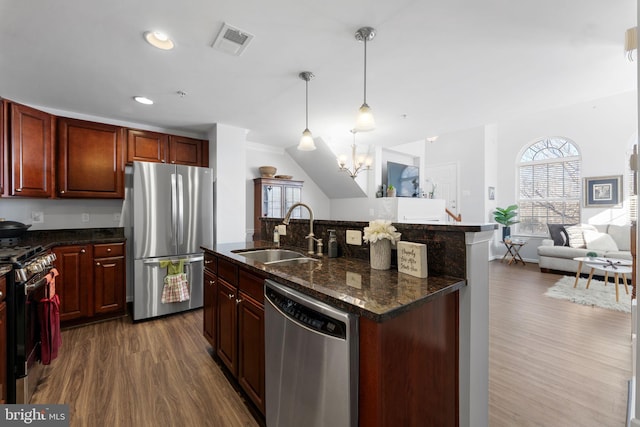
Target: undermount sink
point(275, 256)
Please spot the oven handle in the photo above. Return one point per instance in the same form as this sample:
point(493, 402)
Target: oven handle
point(35, 286)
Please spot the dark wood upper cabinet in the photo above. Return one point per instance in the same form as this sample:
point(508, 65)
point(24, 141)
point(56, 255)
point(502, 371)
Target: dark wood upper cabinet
point(146, 146)
point(30, 137)
point(188, 151)
point(90, 159)
point(3, 147)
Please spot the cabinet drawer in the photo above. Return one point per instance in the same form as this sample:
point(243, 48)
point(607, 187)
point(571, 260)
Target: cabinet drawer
point(108, 250)
point(252, 285)
point(3, 287)
point(210, 263)
point(228, 271)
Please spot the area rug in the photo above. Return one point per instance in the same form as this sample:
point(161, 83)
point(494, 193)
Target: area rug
point(597, 295)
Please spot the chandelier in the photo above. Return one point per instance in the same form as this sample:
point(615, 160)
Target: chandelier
point(358, 163)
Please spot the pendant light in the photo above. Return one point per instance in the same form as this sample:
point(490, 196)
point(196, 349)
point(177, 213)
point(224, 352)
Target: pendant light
point(306, 142)
point(365, 121)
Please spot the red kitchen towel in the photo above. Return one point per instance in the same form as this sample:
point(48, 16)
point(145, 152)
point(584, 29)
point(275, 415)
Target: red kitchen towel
point(49, 310)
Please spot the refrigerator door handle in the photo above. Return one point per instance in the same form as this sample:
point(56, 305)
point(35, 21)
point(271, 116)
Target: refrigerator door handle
point(180, 210)
point(188, 260)
point(174, 208)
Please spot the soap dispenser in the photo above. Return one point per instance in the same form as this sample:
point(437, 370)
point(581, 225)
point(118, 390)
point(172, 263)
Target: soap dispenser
point(333, 244)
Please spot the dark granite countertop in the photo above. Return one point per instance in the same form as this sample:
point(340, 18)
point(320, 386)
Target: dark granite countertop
point(76, 236)
point(348, 283)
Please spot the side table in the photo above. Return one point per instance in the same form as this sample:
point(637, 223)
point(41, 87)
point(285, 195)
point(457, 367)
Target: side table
point(513, 250)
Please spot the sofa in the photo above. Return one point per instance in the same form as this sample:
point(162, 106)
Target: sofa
point(566, 242)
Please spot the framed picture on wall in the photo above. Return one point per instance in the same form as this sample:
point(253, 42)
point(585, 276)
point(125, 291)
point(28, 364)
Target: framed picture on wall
point(602, 191)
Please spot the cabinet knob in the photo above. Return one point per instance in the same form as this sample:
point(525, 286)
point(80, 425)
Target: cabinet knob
point(1, 294)
point(162, 161)
point(208, 261)
point(18, 190)
point(212, 282)
point(97, 263)
point(62, 192)
point(238, 301)
point(82, 251)
point(231, 296)
point(108, 249)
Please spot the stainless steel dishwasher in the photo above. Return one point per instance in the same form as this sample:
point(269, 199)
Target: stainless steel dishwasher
point(311, 361)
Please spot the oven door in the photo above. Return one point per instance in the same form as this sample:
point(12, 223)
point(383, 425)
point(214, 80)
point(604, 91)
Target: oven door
point(27, 338)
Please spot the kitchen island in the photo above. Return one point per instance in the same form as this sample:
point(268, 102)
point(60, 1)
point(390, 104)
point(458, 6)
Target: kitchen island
point(410, 331)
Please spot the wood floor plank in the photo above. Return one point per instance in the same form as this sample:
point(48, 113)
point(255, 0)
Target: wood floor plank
point(551, 363)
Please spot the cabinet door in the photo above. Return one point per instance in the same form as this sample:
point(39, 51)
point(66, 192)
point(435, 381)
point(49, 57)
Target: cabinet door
point(188, 151)
point(3, 146)
point(146, 146)
point(272, 201)
point(109, 285)
point(292, 195)
point(227, 326)
point(74, 283)
point(209, 308)
point(31, 152)
point(251, 349)
point(3, 352)
point(90, 159)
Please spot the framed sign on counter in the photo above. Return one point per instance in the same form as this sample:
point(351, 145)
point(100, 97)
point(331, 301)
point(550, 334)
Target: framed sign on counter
point(602, 191)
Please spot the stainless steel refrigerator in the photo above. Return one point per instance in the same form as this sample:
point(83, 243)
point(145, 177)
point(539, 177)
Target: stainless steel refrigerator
point(172, 219)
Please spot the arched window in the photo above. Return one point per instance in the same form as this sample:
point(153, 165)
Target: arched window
point(549, 185)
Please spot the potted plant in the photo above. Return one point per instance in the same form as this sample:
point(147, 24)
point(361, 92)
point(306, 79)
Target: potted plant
point(505, 216)
point(381, 235)
point(391, 191)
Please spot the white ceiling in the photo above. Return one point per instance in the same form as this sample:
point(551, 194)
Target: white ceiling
point(446, 65)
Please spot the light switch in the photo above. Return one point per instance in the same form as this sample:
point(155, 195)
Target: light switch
point(85, 217)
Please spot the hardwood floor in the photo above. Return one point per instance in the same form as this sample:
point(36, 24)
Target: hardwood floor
point(154, 373)
point(552, 363)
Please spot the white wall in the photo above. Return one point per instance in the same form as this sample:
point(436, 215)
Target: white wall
point(467, 148)
point(228, 159)
point(602, 130)
point(262, 155)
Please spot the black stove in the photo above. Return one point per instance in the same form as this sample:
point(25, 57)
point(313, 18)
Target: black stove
point(25, 289)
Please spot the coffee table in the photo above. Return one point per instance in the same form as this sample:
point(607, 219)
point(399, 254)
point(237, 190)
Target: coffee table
point(618, 267)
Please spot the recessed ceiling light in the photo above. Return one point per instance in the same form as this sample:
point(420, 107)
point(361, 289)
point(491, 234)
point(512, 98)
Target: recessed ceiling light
point(143, 100)
point(158, 39)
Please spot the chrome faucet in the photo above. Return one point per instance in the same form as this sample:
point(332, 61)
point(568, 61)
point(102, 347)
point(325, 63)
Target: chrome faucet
point(310, 236)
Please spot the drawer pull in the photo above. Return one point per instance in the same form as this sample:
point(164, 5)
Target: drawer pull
point(208, 261)
point(108, 249)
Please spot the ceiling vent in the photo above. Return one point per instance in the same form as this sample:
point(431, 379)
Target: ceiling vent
point(232, 40)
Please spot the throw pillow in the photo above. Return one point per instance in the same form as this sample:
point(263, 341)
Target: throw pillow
point(599, 241)
point(575, 232)
point(576, 239)
point(558, 234)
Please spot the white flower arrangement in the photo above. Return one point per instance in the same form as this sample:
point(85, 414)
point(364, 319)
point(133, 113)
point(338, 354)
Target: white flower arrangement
point(380, 229)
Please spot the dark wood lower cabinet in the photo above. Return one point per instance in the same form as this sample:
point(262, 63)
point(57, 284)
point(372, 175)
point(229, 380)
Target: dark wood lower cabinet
point(92, 282)
point(74, 283)
point(109, 289)
point(409, 367)
point(251, 349)
point(234, 323)
point(209, 307)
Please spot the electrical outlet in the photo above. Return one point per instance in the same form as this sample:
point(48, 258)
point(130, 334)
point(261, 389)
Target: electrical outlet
point(354, 280)
point(37, 217)
point(354, 237)
point(282, 229)
point(116, 217)
point(85, 217)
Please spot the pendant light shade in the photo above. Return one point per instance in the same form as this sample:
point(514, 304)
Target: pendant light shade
point(306, 142)
point(365, 121)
